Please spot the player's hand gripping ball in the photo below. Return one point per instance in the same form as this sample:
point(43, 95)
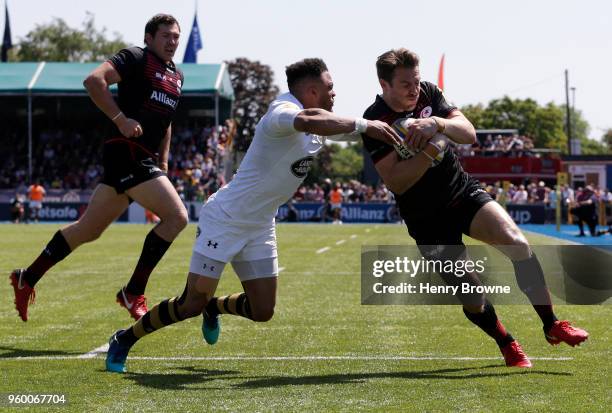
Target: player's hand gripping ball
point(401, 126)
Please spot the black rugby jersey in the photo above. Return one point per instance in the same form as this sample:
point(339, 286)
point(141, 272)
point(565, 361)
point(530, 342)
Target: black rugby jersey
point(148, 92)
point(440, 184)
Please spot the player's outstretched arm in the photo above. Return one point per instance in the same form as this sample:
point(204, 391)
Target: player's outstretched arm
point(399, 175)
point(324, 123)
point(97, 84)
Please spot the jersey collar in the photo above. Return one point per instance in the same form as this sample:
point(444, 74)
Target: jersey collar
point(169, 64)
point(288, 96)
point(380, 100)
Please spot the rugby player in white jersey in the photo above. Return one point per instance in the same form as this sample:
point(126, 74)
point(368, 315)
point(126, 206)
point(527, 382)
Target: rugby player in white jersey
point(236, 224)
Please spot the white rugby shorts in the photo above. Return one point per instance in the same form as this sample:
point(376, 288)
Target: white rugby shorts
point(220, 239)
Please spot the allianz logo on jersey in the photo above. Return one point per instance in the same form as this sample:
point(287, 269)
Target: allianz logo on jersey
point(301, 167)
point(163, 98)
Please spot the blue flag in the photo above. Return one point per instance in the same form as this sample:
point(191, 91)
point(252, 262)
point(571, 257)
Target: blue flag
point(6, 41)
point(194, 43)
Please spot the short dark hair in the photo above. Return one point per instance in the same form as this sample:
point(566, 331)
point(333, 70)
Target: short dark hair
point(388, 61)
point(312, 67)
point(154, 22)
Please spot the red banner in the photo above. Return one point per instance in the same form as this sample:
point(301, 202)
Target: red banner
point(511, 169)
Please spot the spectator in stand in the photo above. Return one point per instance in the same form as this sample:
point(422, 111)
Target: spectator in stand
point(36, 195)
point(532, 193)
point(17, 209)
point(567, 196)
point(488, 146)
point(527, 143)
point(606, 198)
point(515, 143)
point(521, 196)
point(540, 192)
point(499, 143)
point(335, 200)
point(300, 194)
point(319, 194)
point(550, 198)
point(585, 210)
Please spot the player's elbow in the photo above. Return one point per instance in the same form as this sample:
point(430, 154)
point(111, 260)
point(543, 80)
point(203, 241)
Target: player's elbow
point(301, 123)
point(93, 81)
point(470, 135)
point(467, 135)
point(396, 182)
point(396, 186)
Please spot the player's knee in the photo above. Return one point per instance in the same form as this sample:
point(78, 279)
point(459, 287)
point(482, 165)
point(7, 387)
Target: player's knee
point(519, 245)
point(262, 314)
point(92, 234)
point(178, 220)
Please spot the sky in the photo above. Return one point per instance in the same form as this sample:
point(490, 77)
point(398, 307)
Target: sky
point(492, 48)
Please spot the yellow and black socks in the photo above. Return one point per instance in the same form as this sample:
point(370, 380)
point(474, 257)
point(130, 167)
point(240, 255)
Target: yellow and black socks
point(160, 316)
point(236, 304)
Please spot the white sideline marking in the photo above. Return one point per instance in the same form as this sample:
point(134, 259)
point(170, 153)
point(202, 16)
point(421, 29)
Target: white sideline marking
point(342, 241)
point(93, 353)
point(353, 236)
point(290, 358)
point(322, 250)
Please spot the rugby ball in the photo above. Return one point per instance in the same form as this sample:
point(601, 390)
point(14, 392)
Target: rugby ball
point(401, 127)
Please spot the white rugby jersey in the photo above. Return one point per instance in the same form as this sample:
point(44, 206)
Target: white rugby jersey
point(274, 166)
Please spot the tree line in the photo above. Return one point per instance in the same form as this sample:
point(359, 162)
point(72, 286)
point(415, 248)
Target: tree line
point(254, 89)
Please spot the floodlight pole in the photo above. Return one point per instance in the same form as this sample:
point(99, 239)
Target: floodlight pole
point(29, 138)
point(568, 118)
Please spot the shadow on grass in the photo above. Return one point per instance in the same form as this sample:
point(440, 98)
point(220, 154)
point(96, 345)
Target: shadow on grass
point(178, 381)
point(194, 376)
point(449, 373)
point(11, 352)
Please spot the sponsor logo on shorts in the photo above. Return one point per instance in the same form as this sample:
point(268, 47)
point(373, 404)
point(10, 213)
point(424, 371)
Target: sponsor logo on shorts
point(212, 244)
point(301, 167)
point(478, 191)
point(130, 176)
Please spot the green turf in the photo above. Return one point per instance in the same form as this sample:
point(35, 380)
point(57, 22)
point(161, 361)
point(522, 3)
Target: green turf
point(318, 313)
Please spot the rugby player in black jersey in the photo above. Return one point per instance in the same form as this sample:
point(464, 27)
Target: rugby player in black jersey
point(135, 162)
point(439, 201)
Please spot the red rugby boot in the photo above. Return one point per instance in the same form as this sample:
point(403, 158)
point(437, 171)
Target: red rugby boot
point(562, 331)
point(135, 304)
point(24, 294)
point(515, 356)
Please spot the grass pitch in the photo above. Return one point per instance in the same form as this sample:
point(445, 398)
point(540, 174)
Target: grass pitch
point(322, 351)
